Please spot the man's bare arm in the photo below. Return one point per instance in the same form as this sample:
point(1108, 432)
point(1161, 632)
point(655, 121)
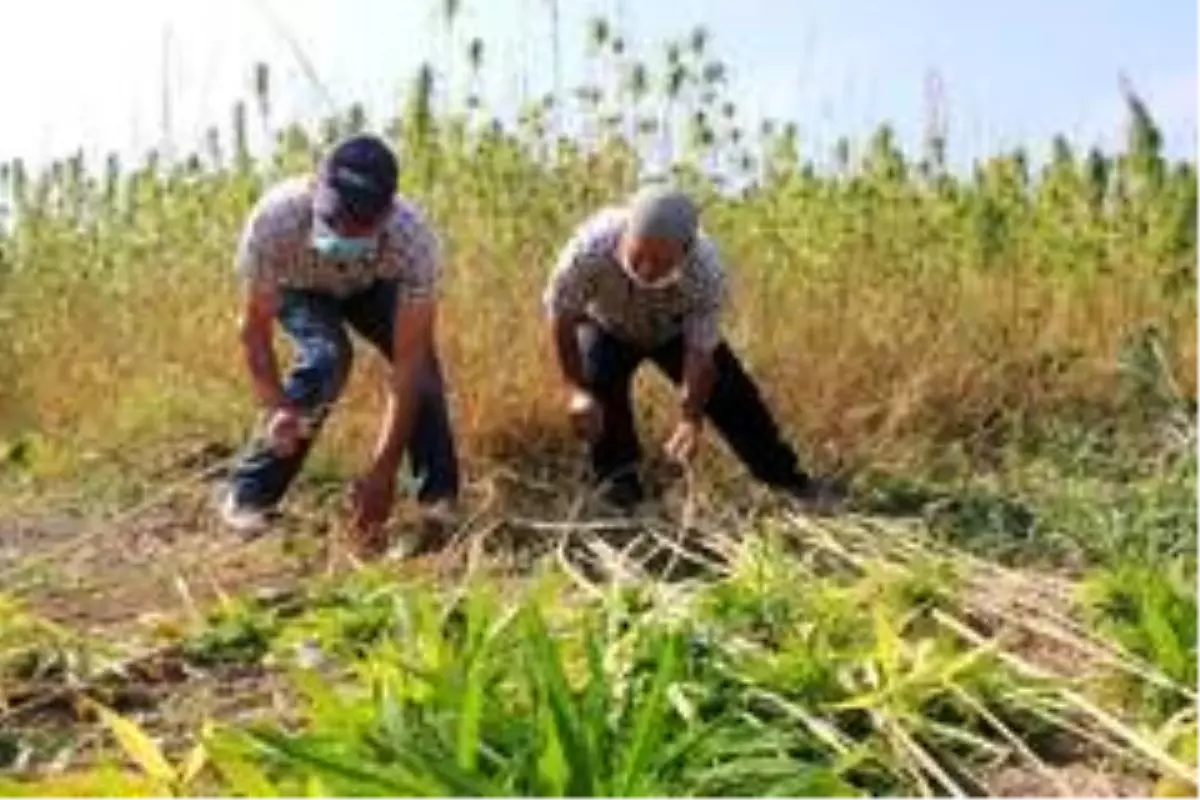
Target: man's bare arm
point(412, 343)
point(701, 337)
point(565, 329)
point(699, 377)
point(259, 306)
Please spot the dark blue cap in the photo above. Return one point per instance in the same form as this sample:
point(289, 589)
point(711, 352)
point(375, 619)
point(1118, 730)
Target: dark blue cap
point(356, 181)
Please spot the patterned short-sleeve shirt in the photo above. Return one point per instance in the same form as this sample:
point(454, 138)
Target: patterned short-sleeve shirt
point(589, 280)
point(276, 247)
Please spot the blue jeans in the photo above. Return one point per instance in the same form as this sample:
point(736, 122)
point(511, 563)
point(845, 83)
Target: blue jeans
point(316, 323)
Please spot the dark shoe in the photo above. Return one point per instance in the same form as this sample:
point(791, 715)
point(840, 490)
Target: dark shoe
point(436, 526)
point(623, 492)
point(439, 524)
point(816, 496)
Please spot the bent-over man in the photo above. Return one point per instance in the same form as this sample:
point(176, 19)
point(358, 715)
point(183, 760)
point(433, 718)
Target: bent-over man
point(642, 282)
point(321, 256)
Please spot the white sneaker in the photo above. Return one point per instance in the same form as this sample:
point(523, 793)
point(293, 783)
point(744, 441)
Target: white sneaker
point(242, 519)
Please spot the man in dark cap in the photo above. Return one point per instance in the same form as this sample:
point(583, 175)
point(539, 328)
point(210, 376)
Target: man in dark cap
point(642, 281)
point(319, 255)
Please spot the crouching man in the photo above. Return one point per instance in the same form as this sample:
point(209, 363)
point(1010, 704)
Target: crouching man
point(642, 282)
point(321, 256)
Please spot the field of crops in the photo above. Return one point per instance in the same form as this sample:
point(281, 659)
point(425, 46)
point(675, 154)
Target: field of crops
point(1003, 361)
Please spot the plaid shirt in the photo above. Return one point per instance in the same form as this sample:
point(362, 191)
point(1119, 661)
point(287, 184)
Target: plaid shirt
point(589, 280)
point(276, 247)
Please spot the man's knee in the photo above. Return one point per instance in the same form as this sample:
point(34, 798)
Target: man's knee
point(322, 371)
point(615, 399)
point(608, 362)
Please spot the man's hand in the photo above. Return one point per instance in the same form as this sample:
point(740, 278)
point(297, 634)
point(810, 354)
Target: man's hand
point(583, 409)
point(699, 378)
point(587, 419)
point(684, 441)
point(371, 498)
point(285, 428)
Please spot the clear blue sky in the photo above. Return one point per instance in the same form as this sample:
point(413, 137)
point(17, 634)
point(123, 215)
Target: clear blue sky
point(1013, 72)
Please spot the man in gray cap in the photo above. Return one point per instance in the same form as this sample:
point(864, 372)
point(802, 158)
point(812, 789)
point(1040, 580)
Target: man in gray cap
point(642, 281)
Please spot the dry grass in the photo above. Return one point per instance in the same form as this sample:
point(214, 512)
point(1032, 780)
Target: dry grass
point(895, 314)
point(892, 310)
point(859, 365)
point(896, 372)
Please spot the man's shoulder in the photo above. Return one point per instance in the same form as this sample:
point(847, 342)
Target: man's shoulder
point(704, 271)
point(277, 228)
point(598, 234)
point(287, 194)
point(706, 255)
point(284, 206)
point(406, 215)
point(408, 230)
point(605, 222)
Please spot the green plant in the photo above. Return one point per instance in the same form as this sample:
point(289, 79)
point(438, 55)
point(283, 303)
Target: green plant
point(1150, 610)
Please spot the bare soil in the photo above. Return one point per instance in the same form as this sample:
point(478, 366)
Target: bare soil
point(114, 580)
point(1073, 780)
point(111, 581)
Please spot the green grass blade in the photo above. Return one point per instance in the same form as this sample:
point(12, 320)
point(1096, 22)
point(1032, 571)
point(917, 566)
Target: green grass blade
point(241, 776)
point(328, 766)
point(470, 716)
point(423, 759)
point(548, 674)
point(650, 722)
point(747, 775)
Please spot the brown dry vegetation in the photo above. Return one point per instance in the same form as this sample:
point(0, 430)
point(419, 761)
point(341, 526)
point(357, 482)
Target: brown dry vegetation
point(893, 310)
point(1026, 334)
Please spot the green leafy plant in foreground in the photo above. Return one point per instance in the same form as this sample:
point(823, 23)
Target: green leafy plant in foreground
point(514, 710)
point(745, 687)
point(777, 679)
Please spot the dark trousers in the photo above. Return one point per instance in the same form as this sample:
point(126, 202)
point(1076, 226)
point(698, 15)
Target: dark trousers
point(316, 324)
point(735, 408)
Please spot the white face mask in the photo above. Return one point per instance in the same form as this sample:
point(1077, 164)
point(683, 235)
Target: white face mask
point(671, 278)
point(334, 246)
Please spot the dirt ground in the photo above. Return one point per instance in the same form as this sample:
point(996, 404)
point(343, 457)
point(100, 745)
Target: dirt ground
point(110, 579)
point(1073, 780)
point(167, 557)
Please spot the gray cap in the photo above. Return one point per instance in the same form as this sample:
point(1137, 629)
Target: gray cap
point(659, 212)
